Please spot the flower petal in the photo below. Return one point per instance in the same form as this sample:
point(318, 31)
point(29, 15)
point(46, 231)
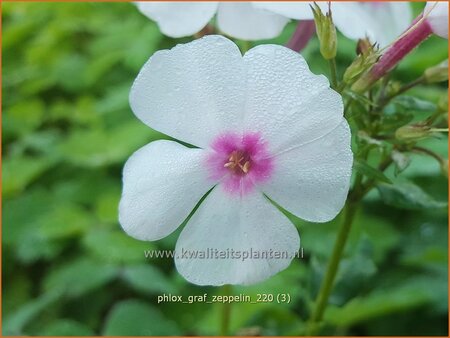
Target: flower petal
point(224, 223)
point(243, 21)
point(298, 10)
point(192, 92)
point(382, 22)
point(312, 181)
point(438, 17)
point(177, 19)
point(287, 103)
point(162, 183)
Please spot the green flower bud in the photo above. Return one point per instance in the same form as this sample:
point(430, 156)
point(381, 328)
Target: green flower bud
point(326, 31)
point(413, 132)
point(367, 57)
point(438, 73)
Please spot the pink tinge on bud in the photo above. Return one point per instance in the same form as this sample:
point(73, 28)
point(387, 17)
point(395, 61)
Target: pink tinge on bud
point(239, 161)
point(401, 48)
point(416, 34)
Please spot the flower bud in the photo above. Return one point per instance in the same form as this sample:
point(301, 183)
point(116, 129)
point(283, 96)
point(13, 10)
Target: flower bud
point(326, 31)
point(413, 132)
point(364, 46)
point(438, 73)
point(367, 57)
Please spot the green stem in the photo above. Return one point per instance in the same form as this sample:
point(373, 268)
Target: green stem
point(405, 88)
point(327, 284)
point(429, 153)
point(358, 192)
point(333, 71)
point(226, 312)
point(441, 130)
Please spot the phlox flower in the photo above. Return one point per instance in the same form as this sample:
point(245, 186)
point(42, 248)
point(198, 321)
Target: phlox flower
point(381, 21)
point(437, 17)
point(264, 129)
point(433, 20)
point(237, 19)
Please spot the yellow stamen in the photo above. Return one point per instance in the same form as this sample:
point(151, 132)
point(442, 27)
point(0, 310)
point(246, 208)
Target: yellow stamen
point(235, 160)
point(246, 167)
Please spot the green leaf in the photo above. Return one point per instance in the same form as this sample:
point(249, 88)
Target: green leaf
point(16, 322)
point(394, 119)
point(407, 195)
point(66, 327)
point(16, 223)
point(95, 148)
point(19, 172)
point(380, 303)
point(107, 206)
point(18, 286)
point(37, 233)
point(381, 232)
point(23, 117)
point(79, 277)
point(85, 188)
point(354, 272)
point(68, 71)
point(358, 97)
point(273, 321)
point(370, 172)
point(136, 318)
point(148, 279)
point(412, 103)
point(74, 219)
point(115, 246)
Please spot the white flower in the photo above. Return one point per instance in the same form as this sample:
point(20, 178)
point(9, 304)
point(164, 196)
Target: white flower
point(265, 126)
point(237, 19)
point(437, 17)
point(381, 22)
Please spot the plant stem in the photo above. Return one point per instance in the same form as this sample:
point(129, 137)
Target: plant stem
point(429, 153)
point(358, 192)
point(226, 312)
point(333, 71)
point(327, 284)
point(406, 87)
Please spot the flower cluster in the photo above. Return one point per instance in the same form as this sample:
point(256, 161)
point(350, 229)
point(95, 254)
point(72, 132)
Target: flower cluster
point(381, 21)
point(262, 131)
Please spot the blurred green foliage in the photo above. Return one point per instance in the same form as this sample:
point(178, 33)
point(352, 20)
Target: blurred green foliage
point(68, 269)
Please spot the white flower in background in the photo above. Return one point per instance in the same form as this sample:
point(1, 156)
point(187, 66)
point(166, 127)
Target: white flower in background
point(237, 19)
point(381, 21)
point(433, 20)
point(264, 126)
point(437, 17)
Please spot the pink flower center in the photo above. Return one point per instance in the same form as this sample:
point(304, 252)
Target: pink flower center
point(239, 162)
